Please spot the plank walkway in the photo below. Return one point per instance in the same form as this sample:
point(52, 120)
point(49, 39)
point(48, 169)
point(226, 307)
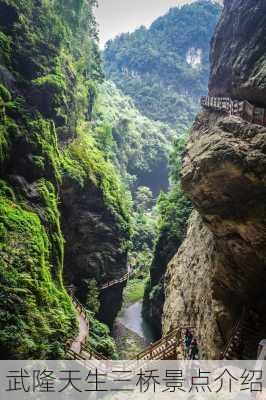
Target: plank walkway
point(76, 348)
point(115, 281)
point(240, 108)
point(166, 348)
point(244, 339)
point(170, 347)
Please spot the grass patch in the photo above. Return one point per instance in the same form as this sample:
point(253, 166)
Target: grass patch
point(134, 291)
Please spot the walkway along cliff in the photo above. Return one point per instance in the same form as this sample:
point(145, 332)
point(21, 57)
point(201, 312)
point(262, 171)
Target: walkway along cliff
point(169, 347)
point(220, 270)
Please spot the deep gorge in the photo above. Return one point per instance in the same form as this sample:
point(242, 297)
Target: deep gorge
point(109, 166)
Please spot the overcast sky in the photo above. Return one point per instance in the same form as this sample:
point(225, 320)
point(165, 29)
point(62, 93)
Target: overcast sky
point(117, 16)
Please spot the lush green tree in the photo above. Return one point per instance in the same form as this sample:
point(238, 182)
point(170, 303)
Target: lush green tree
point(174, 207)
point(165, 68)
point(141, 146)
point(143, 199)
point(93, 302)
point(104, 138)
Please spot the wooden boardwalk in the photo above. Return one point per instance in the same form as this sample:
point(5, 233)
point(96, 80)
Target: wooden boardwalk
point(170, 347)
point(166, 348)
point(114, 282)
point(243, 109)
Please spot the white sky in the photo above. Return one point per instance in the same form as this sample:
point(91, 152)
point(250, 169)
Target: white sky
point(117, 16)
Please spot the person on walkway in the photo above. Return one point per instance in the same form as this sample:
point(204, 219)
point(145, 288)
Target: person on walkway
point(194, 350)
point(187, 341)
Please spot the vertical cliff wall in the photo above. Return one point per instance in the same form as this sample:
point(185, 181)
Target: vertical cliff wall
point(219, 271)
point(238, 52)
point(59, 195)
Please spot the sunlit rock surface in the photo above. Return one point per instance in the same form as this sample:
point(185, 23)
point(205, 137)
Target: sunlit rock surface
point(220, 270)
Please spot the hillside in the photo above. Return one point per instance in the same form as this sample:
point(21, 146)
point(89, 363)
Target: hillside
point(138, 146)
point(165, 68)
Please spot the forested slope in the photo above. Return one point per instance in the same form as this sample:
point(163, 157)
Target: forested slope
point(138, 146)
point(165, 68)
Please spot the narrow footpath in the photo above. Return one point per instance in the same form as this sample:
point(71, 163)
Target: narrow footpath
point(82, 336)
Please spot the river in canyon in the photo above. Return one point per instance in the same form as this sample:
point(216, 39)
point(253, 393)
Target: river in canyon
point(131, 332)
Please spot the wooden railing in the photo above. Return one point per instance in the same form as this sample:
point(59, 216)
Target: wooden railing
point(115, 281)
point(166, 347)
point(125, 277)
point(163, 349)
point(80, 309)
point(234, 338)
point(240, 108)
point(91, 354)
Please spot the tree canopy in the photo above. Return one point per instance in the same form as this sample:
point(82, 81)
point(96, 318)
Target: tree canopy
point(165, 68)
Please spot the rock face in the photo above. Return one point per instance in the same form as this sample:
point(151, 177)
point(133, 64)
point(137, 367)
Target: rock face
point(238, 52)
point(95, 246)
point(154, 296)
point(220, 270)
point(188, 288)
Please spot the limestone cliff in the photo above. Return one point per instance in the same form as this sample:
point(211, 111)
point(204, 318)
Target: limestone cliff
point(220, 269)
point(95, 246)
point(154, 296)
point(238, 52)
point(62, 216)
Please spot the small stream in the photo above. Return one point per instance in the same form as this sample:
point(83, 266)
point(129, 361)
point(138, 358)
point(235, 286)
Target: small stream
point(131, 332)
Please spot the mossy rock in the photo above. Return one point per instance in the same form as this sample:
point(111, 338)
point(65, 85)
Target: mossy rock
point(37, 315)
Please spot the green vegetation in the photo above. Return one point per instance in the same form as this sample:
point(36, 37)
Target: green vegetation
point(134, 290)
point(91, 163)
point(138, 146)
point(93, 302)
point(36, 314)
point(143, 199)
point(150, 65)
point(49, 55)
point(49, 205)
point(142, 238)
point(4, 93)
point(173, 209)
point(100, 339)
